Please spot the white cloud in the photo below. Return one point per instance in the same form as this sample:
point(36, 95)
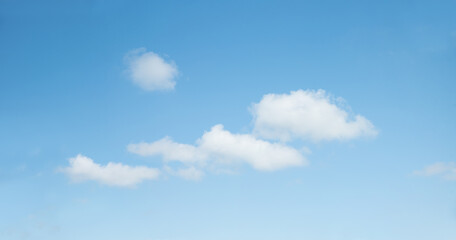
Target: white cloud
point(445, 170)
point(150, 71)
point(262, 155)
point(83, 168)
point(221, 147)
point(310, 115)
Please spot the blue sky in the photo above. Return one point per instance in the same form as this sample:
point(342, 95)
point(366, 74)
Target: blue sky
point(182, 120)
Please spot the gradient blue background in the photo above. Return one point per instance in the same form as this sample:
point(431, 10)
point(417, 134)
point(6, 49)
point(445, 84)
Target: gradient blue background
point(64, 91)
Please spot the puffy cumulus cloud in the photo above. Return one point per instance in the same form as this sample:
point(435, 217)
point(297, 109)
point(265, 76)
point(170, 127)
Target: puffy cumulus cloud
point(446, 170)
point(221, 147)
point(262, 155)
point(83, 168)
point(310, 115)
point(150, 71)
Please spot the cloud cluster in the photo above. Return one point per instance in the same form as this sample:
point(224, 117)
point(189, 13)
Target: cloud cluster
point(83, 168)
point(309, 115)
point(278, 118)
point(225, 148)
point(303, 114)
point(446, 170)
point(150, 71)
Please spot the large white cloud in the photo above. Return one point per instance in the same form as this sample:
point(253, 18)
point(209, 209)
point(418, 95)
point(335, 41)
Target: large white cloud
point(150, 71)
point(446, 170)
point(221, 147)
point(83, 168)
point(310, 115)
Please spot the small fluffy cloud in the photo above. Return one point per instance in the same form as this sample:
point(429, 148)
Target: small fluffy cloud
point(150, 71)
point(83, 168)
point(219, 146)
point(310, 115)
point(262, 155)
point(445, 170)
